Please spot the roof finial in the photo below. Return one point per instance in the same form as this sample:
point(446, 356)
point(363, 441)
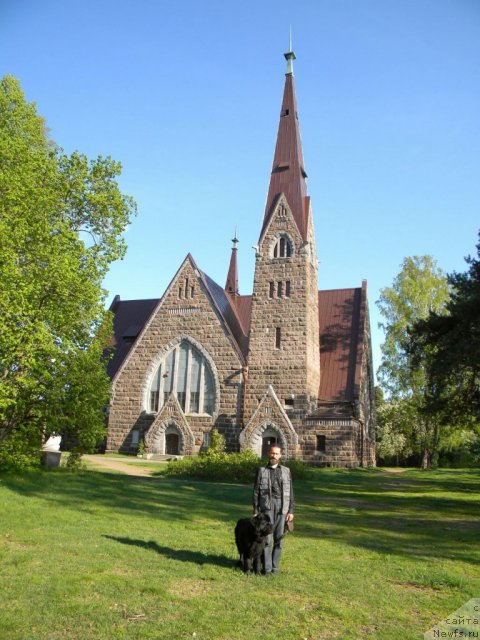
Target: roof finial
point(290, 56)
point(235, 240)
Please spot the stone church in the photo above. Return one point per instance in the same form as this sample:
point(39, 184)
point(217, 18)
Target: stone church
point(288, 364)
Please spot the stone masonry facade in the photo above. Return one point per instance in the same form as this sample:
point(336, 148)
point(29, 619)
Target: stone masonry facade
point(176, 318)
point(288, 364)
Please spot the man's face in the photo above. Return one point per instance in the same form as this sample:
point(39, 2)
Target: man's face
point(274, 455)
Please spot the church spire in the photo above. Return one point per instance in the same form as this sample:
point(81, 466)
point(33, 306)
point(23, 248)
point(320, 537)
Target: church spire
point(288, 174)
point(231, 286)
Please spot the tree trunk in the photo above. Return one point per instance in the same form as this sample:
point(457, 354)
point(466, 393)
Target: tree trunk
point(425, 459)
point(436, 444)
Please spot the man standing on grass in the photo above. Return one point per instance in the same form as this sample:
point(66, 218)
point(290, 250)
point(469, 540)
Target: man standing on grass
point(273, 495)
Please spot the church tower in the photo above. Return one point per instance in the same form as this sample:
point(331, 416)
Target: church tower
point(284, 353)
point(288, 364)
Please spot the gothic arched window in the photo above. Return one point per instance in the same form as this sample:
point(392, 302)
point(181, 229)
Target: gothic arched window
point(283, 247)
point(186, 373)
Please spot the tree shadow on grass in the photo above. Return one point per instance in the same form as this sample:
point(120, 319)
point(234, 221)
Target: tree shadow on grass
point(160, 499)
point(183, 555)
point(417, 515)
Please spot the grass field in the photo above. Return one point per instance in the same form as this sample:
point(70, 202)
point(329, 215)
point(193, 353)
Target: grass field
point(96, 555)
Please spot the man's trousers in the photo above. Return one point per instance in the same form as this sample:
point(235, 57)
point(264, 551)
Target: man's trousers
point(273, 550)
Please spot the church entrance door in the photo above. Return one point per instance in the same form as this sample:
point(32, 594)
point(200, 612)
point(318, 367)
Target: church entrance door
point(268, 442)
point(172, 444)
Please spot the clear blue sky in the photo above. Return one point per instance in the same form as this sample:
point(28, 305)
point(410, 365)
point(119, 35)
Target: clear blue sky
point(187, 96)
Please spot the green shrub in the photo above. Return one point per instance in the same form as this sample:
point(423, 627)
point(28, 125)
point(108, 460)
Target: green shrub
point(74, 461)
point(217, 442)
point(299, 469)
point(226, 467)
point(21, 451)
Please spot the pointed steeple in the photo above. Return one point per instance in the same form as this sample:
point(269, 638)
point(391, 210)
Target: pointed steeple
point(288, 172)
point(231, 286)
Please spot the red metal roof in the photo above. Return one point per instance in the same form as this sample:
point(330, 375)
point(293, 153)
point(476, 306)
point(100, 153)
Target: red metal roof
point(288, 172)
point(244, 307)
point(341, 343)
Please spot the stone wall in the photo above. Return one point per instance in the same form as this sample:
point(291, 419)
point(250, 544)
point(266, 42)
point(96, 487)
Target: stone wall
point(366, 398)
point(341, 448)
point(288, 367)
point(277, 391)
point(178, 316)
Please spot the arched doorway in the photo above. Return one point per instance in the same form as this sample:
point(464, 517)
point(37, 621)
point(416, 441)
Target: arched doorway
point(166, 440)
point(172, 444)
point(267, 442)
point(264, 437)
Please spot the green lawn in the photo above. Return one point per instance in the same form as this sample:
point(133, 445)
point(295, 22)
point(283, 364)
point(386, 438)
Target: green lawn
point(101, 555)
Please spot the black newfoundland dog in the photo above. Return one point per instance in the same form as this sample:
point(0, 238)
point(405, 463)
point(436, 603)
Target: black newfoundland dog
point(250, 538)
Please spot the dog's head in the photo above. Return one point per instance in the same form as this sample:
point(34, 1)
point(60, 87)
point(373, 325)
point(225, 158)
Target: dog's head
point(263, 525)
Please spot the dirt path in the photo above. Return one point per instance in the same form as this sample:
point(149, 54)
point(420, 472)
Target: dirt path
point(129, 469)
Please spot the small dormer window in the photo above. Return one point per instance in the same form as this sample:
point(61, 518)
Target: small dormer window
point(282, 248)
point(285, 112)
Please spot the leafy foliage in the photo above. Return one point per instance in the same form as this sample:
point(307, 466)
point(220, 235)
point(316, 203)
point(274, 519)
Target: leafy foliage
point(226, 467)
point(61, 223)
point(449, 343)
point(217, 442)
point(460, 447)
point(400, 437)
point(394, 436)
point(419, 288)
point(236, 467)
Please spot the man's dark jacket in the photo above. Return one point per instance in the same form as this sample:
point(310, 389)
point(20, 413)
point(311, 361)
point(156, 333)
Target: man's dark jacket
point(262, 490)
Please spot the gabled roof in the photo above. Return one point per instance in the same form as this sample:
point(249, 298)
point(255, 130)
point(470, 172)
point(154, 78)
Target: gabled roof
point(243, 307)
point(130, 316)
point(226, 305)
point(342, 318)
point(288, 171)
point(342, 315)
